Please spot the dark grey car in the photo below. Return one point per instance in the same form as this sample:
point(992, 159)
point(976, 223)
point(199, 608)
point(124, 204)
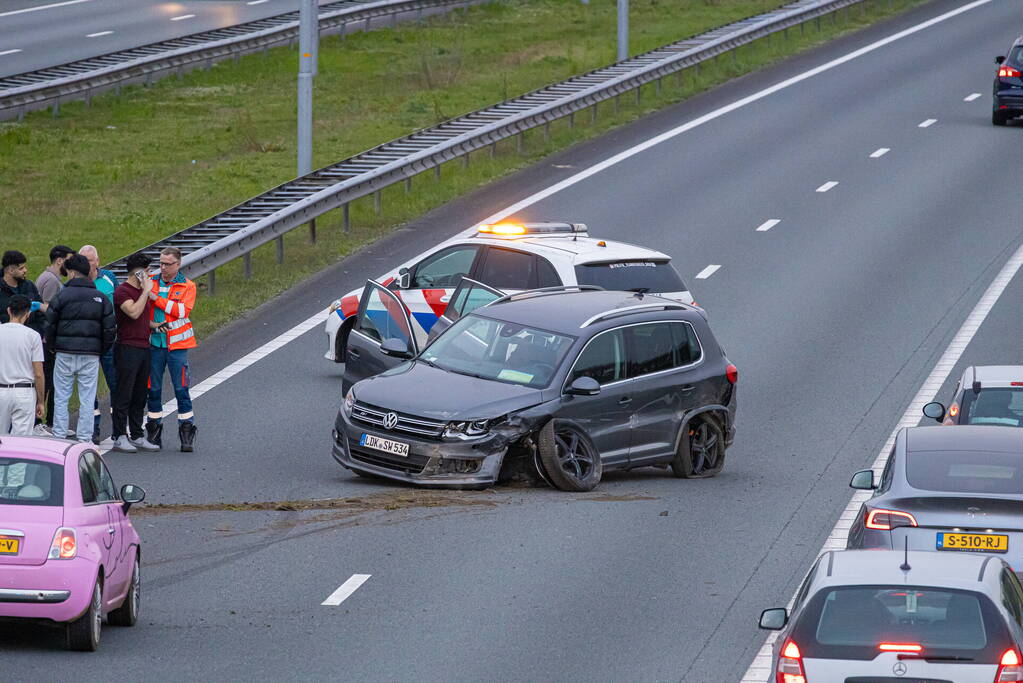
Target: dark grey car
point(574, 382)
point(950, 490)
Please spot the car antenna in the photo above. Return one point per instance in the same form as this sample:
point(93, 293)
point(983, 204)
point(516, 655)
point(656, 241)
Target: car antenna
point(905, 562)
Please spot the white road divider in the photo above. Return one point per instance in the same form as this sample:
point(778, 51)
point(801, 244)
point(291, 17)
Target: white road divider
point(345, 590)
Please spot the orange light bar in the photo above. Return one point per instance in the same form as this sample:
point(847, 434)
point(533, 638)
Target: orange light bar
point(953, 409)
point(900, 647)
point(503, 229)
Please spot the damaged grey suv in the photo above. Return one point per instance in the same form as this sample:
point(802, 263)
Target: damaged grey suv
point(573, 382)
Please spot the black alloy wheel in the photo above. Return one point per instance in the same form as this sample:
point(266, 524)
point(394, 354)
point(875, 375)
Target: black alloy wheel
point(701, 451)
point(569, 458)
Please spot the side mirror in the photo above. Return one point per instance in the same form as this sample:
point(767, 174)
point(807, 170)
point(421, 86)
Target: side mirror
point(999, 59)
point(935, 411)
point(863, 480)
point(774, 619)
point(396, 348)
point(583, 386)
point(131, 494)
point(404, 278)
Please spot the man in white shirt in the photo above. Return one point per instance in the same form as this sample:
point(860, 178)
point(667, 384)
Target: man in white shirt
point(22, 385)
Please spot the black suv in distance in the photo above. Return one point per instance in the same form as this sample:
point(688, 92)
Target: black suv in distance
point(1008, 91)
point(577, 382)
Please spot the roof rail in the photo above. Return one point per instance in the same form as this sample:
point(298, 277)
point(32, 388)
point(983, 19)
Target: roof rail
point(544, 291)
point(626, 310)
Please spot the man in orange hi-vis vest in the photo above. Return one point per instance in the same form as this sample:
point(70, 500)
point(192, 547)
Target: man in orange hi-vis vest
point(173, 298)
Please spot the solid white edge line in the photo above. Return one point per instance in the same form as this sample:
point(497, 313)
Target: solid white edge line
point(321, 316)
point(36, 9)
point(345, 590)
point(827, 186)
point(256, 2)
point(768, 224)
point(759, 671)
point(927, 123)
point(879, 152)
point(10, 52)
point(707, 272)
point(97, 35)
point(971, 97)
point(183, 16)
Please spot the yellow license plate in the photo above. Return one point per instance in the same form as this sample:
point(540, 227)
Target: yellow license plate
point(978, 543)
point(9, 546)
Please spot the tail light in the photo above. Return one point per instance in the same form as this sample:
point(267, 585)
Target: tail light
point(886, 520)
point(732, 373)
point(900, 647)
point(1009, 669)
point(1008, 72)
point(65, 544)
point(790, 665)
point(953, 412)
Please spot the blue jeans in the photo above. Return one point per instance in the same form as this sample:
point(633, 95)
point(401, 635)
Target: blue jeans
point(176, 362)
point(106, 361)
point(66, 369)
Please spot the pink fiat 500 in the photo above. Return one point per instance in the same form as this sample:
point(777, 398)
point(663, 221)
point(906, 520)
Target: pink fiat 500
point(68, 552)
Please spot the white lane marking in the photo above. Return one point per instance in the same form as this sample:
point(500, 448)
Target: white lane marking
point(345, 590)
point(827, 186)
point(183, 16)
point(36, 9)
point(256, 2)
point(760, 670)
point(879, 152)
point(927, 124)
point(971, 97)
point(707, 272)
point(768, 224)
point(320, 316)
point(97, 35)
point(9, 52)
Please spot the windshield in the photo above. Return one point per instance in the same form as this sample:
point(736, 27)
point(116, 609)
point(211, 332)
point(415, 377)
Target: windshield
point(30, 482)
point(627, 276)
point(965, 471)
point(993, 407)
point(500, 351)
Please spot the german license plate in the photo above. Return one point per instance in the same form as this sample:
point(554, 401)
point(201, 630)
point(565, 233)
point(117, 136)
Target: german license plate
point(9, 546)
point(385, 445)
point(978, 543)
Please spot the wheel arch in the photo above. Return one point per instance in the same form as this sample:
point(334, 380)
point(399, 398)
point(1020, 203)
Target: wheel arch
point(715, 411)
point(341, 339)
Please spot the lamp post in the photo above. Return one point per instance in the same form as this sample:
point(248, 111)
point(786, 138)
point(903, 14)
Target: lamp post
point(623, 30)
point(308, 39)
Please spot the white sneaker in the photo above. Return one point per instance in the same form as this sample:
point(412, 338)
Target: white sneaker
point(123, 445)
point(143, 444)
point(42, 430)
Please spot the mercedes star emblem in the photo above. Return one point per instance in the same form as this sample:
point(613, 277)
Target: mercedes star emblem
point(390, 420)
point(899, 669)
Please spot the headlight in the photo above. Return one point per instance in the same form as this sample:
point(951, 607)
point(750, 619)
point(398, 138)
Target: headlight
point(349, 402)
point(334, 306)
point(464, 429)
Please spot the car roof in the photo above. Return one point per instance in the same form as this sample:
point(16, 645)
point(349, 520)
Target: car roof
point(927, 568)
point(577, 249)
point(48, 449)
point(964, 438)
point(997, 375)
point(567, 311)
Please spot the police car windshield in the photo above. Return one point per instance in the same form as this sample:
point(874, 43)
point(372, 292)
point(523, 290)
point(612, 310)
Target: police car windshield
point(650, 276)
point(499, 351)
point(30, 482)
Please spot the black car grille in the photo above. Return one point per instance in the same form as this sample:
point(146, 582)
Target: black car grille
point(419, 426)
point(411, 464)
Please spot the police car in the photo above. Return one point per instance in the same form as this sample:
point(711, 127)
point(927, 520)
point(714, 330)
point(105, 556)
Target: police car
point(511, 257)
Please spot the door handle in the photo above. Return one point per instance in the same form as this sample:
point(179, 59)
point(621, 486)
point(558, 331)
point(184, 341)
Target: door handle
point(111, 531)
point(624, 401)
point(353, 353)
point(687, 388)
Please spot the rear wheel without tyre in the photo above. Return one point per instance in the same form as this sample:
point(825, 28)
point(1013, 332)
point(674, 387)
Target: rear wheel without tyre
point(701, 450)
point(128, 613)
point(83, 632)
point(568, 456)
point(998, 118)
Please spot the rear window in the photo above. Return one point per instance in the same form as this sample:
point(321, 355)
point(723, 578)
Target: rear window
point(993, 407)
point(965, 471)
point(30, 482)
point(649, 276)
point(1016, 56)
point(853, 621)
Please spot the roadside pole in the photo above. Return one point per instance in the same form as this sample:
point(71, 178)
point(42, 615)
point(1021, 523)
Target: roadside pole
point(623, 30)
point(308, 45)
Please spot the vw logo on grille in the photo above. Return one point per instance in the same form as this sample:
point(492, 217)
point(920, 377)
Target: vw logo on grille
point(899, 669)
point(390, 420)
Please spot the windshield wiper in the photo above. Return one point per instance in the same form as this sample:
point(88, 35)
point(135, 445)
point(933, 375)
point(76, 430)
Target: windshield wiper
point(467, 374)
point(428, 362)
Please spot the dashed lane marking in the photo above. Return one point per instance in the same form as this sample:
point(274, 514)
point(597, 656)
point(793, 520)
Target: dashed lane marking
point(971, 97)
point(36, 9)
point(768, 224)
point(927, 123)
point(827, 186)
point(707, 272)
point(9, 52)
point(879, 152)
point(97, 35)
point(345, 590)
point(183, 16)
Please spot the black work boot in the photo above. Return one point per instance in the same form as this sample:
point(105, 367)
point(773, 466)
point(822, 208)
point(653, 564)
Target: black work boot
point(154, 432)
point(186, 432)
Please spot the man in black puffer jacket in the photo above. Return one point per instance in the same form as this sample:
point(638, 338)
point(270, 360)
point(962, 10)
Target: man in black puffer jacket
point(80, 327)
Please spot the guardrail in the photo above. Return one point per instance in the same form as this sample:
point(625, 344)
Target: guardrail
point(84, 78)
point(239, 230)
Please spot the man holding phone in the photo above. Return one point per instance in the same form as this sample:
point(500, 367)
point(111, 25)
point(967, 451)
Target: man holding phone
point(133, 309)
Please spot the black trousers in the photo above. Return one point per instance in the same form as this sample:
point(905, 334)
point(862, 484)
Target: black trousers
point(129, 402)
point(49, 358)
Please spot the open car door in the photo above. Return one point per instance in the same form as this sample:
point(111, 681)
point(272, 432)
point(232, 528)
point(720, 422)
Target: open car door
point(467, 297)
point(382, 317)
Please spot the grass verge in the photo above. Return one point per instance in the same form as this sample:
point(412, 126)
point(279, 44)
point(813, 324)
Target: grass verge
point(133, 168)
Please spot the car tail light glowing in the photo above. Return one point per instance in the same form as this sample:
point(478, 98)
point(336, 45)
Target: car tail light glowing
point(1009, 668)
point(790, 665)
point(900, 647)
point(1016, 384)
point(882, 520)
point(65, 544)
point(1008, 72)
point(732, 373)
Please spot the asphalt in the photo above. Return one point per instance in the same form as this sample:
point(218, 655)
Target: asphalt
point(834, 318)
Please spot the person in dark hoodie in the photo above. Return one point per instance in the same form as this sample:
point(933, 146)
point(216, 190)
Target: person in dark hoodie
point(14, 280)
point(80, 327)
